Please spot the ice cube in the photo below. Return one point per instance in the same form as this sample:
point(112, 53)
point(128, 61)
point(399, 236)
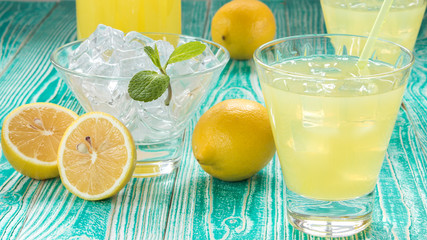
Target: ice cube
point(81, 49)
point(120, 54)
point(81, 63)
point(130, 66)
point(157, 113)
point(108, 52)
point(99, 47)
point(312, 87)
point(197, 64)
point(106, 35)
point(180, 68)
point(209, 58)
point(135, 40)
point(104, 69)
point(183, 97)
point(323, 71)
point(368, 89)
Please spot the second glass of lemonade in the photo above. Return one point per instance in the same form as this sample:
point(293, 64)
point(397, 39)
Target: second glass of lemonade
point(128, 15)
point(332, 120)
point(401, 25)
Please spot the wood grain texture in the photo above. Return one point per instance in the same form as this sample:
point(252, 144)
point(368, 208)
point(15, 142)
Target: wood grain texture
point(398, 190)
point(18, 23)
point(189, 204)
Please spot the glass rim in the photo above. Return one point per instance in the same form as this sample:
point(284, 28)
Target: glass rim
point(55, 53)
point(259, 62)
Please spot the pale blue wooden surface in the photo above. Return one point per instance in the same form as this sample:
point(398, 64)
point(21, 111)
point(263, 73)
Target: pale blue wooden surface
point(189, 204)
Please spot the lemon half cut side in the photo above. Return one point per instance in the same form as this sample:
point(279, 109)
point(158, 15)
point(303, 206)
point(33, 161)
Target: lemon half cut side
point(30, 138)
point(96, 156)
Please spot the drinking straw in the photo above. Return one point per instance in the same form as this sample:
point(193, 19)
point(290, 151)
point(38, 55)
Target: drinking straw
point(373, 35)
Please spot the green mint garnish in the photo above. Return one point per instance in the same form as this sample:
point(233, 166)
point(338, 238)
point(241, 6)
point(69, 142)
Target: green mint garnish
point(185, 52)
point(147, 86)
point(154, 55)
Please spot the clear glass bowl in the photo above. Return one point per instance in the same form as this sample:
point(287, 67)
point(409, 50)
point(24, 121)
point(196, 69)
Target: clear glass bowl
point(158, 130)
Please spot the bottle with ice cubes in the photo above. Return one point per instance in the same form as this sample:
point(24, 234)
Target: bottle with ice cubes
point(98, 71)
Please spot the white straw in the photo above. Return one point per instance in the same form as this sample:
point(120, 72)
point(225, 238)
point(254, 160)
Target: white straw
point(373, 35)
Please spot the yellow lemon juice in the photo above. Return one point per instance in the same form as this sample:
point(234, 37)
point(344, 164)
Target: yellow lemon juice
point(129, 15)
point(401, 25)
point(331, 135)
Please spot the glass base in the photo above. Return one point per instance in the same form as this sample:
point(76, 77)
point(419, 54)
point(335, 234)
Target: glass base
point(158, 159)
point(329, 218)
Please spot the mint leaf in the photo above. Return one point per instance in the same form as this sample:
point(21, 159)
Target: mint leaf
point(186, 51)
point(154, 55)
point(147, 86)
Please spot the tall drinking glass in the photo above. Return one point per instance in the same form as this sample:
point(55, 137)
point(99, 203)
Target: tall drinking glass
point(128, 15)
point(401, 25)
point(332, 121)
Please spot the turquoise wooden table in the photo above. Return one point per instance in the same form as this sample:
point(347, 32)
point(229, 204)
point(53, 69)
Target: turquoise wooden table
point(189, 204)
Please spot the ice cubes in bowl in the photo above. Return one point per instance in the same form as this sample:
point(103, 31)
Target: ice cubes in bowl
point(98, 71)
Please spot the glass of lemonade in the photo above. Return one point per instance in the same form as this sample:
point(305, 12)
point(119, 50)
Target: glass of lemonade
point(332, 121)
point(401, 25)
point(128, 15)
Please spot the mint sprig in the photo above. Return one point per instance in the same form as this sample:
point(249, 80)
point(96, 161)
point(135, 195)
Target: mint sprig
point(147, 86)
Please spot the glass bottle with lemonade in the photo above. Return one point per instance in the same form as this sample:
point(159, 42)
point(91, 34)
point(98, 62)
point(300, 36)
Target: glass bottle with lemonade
point(128, 15)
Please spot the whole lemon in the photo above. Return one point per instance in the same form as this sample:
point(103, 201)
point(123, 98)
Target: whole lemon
point(241, 26)
point(233, 140)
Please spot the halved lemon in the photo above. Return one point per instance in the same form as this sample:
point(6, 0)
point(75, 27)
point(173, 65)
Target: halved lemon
point(30, 138)
point(96, 156)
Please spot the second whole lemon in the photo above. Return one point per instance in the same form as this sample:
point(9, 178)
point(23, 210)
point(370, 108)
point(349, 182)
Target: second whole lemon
point(241, 26)
point(233, 140)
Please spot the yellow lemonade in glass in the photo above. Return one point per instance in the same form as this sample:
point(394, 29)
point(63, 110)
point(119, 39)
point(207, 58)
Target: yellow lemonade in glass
point(401, 25)
point(129, 15)
point(331, 136)
point(332, 119)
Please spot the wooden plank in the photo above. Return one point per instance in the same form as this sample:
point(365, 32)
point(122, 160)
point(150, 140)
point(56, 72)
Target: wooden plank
point(194, 17)
point(401, 190)
point(412, 175)
point(301, 17)
point(14, 198)
point(30, 77)
point(18, 22)
point(415, 99)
